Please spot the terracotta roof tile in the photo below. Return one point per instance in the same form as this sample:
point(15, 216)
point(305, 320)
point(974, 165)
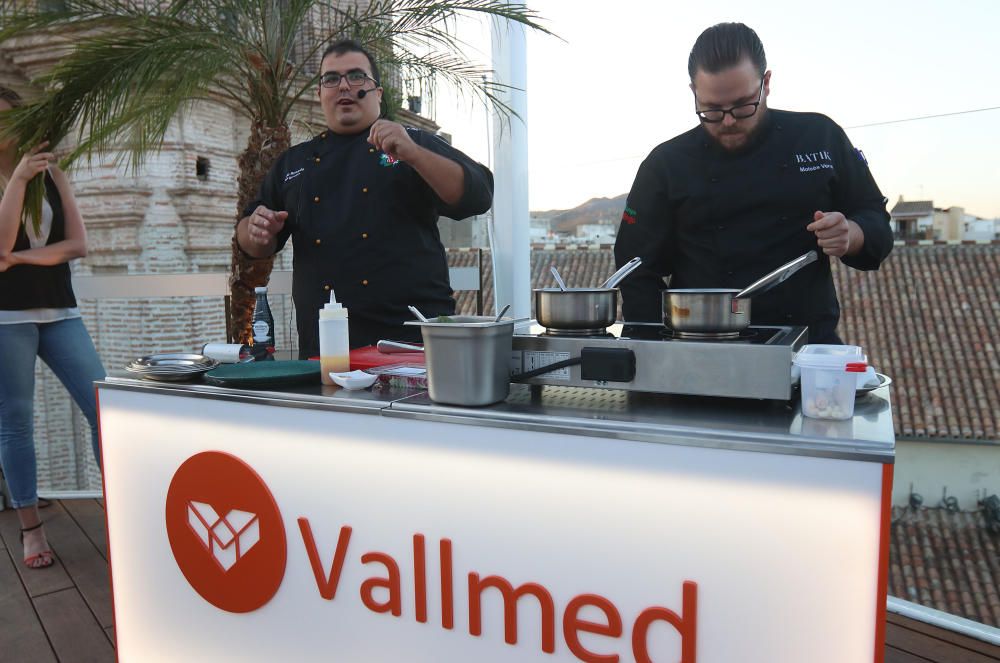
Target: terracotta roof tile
point(929, 318)
point(946, 560)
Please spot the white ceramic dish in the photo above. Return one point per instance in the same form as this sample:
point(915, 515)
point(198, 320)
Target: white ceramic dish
point(354, 380)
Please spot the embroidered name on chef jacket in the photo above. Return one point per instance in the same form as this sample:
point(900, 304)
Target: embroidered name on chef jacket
point(293, 174)
point(811, 161)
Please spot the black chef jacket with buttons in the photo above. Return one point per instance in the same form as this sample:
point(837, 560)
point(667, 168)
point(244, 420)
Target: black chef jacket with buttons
point(366, 226)
point(714, 219)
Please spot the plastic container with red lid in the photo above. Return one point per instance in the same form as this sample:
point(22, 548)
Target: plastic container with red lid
point(829, 379)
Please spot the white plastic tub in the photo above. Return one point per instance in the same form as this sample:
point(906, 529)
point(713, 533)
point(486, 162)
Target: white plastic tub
point(829, 379)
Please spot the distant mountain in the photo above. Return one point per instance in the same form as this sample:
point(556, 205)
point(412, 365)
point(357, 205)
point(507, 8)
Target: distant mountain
point(595, 210)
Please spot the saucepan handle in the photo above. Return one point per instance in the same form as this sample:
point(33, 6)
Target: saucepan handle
point(779, 275)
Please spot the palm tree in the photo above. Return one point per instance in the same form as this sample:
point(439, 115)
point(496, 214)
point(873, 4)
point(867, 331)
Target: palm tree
point(134, 64)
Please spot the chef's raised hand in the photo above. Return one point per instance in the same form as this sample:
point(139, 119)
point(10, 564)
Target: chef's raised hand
point(393, 139)
point(264, 225)
point(33, 162)
point(836, 234)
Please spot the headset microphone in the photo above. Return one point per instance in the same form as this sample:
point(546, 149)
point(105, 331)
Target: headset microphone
point(362, 93)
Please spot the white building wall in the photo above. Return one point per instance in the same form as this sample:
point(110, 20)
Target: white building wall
point(967, 472)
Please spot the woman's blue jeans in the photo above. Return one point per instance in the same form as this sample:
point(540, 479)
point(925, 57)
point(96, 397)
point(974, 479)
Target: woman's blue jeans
point(67, 349)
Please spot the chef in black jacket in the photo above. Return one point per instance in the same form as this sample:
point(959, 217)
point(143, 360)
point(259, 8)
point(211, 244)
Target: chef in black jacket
point(361, 202)
point(746, 191)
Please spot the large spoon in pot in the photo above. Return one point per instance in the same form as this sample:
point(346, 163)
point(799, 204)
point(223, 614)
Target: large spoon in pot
point(559, 281)
point(624, 271)
point(420, 316)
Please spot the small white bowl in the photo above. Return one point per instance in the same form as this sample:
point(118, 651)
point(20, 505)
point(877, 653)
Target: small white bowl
point(354, 380)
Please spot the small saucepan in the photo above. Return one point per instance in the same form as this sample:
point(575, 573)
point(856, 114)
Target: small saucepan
point(721, 310)
point(578, 310)
point(582, 310)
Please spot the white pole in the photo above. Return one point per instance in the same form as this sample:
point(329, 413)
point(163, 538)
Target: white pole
point(511, 259)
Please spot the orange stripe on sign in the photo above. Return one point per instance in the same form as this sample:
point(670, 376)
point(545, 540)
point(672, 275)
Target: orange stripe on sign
point(883, 563)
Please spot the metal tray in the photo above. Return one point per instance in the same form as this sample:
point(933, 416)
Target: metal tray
point(175, 359)
point(883, 381)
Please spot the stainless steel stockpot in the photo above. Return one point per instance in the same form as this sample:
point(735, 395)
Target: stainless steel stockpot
point(576, 309)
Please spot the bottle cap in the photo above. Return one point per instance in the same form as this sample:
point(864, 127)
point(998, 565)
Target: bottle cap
point(261, 290)
point(333, 309)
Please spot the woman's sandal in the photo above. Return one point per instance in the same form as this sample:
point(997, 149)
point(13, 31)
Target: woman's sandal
point(44, 557)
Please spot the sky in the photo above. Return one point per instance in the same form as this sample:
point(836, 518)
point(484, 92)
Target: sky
point(614, 85)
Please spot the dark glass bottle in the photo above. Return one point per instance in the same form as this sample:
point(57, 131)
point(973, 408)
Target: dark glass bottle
point(263, 324)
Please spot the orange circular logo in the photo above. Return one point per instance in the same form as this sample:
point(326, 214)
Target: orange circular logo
point(225, 531)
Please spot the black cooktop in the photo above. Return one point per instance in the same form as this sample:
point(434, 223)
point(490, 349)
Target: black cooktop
point(654, 332)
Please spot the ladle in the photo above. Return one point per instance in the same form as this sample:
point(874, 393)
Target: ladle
point(420, 316)
point(502, 311)
point(620, 275)
point(559, 281)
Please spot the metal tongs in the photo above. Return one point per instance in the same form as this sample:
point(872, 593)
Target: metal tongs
point(396, 347)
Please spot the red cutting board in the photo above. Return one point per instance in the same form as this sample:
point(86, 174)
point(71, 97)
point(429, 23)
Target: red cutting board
point(369, 356)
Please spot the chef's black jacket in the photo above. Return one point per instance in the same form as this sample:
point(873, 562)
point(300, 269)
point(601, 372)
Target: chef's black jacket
point(714, 219)
point(365, 225)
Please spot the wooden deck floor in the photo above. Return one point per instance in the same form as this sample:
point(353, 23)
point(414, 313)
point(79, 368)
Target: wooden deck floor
point(64, 613)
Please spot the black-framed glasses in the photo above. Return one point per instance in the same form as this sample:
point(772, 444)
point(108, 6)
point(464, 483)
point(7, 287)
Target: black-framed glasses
point(740, 112)
point(355, 78)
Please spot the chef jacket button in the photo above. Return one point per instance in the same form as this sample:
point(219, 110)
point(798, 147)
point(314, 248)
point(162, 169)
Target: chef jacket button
point(364, 235)
point(714, 180)
point(326, 287)
point(778, 127)
point(720, 227)
point(323, 135)
point(370, 150)
point(729, 273)
point(318, 242)
point(317, 159)
point(788, 316)
point(364, 190)
point(364, 281)
point(316, 199)
point(784, 218)
point(784, 166)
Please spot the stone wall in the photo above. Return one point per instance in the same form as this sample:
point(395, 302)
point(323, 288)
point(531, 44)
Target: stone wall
point(163, 218)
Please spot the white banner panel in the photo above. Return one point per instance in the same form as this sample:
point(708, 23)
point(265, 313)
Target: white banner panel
point(319, 535)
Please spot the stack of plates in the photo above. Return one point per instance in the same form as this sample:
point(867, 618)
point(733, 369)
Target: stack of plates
point(171, 367)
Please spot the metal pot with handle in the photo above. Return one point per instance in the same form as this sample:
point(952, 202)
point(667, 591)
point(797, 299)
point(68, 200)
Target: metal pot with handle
point(721, 310)
point(582, 310)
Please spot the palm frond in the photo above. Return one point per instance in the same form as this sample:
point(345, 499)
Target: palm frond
point(133, 65)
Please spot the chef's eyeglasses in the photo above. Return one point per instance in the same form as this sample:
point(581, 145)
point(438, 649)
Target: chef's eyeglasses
point(740, 112)
point(355, 78)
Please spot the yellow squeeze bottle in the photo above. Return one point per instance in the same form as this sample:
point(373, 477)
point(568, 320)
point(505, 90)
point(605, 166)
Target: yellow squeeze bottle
point(334, 341)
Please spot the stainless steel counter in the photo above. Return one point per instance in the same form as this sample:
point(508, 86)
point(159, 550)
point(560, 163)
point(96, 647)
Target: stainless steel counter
point(762, 426)
point(316, 397)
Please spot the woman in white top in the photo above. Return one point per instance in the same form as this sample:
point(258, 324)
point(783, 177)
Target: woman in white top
point(38, 318)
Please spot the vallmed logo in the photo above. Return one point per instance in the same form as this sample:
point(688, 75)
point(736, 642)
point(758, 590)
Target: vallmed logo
point(235, 561)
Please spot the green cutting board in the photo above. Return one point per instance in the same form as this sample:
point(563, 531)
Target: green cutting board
point(264, 374)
